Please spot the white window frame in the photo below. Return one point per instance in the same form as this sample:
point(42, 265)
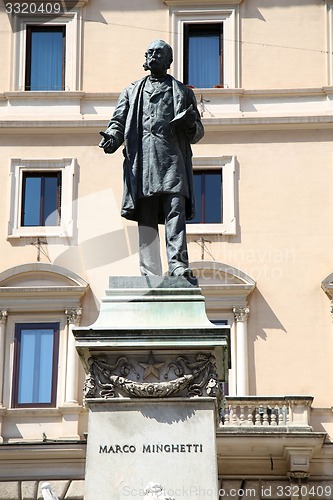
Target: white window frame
point(72, 21)
point(226, 164)
point(13, 319)
point(229, 16)
point(20, 166)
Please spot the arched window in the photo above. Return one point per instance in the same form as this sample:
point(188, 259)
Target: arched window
point(39, 303)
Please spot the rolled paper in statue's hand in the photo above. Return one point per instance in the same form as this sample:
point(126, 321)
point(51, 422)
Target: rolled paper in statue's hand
point(181, 120)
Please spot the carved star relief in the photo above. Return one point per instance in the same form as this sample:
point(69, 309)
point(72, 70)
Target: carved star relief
point(151, 367)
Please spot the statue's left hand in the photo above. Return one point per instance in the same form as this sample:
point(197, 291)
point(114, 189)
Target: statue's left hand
point(190, 117)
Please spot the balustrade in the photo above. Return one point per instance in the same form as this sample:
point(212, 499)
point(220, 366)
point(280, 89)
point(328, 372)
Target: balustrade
point(273, 412)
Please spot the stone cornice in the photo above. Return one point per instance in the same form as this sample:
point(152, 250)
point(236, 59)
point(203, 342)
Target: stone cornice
point(210, 124)
point(43, 451)
point(269, 122)
point(212, 102)
point(44, 299)
point(303, 91)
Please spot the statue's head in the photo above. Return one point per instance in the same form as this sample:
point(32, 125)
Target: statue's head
point(159, 57)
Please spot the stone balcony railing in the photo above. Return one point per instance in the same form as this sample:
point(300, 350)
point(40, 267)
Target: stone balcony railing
point(271, 414)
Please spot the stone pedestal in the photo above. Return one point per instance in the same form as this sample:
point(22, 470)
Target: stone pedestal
point(153, 363)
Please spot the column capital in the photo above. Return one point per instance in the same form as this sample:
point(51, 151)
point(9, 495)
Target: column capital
point(73, 315)
point(3, 315)
point(298, 475)
point(241, 313)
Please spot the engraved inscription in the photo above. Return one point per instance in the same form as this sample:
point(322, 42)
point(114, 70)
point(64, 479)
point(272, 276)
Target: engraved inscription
point(151, 448)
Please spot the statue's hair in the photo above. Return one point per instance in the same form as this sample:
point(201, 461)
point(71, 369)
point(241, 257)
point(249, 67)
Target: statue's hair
point(168, 50)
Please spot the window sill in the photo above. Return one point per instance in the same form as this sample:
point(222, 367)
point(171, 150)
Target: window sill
point(41, 232)
point(37, 94)
point(211, 228)
point(22, 412)
point(217, 91)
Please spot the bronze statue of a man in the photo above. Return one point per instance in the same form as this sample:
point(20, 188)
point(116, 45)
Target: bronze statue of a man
point(157, 119)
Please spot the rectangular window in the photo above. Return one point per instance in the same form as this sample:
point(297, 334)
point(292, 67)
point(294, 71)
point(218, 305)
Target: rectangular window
point(41, 199)
point(45, 58)
point(203, 49)
point(215, 192)
point(35, 364)
point(208, 195)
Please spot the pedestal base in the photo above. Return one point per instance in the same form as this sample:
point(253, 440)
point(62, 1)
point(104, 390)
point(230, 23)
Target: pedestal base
point(153, 365)
point(134, 443)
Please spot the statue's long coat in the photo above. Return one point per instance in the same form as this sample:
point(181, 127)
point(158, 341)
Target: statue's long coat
point(125, 127)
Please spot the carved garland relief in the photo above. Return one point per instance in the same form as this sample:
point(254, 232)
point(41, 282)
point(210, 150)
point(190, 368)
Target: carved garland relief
point(108, 378)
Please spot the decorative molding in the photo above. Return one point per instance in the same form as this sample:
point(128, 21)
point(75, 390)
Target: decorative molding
point(3, 316)
point(298, 475)
point(37, 268)
point(241, 313)
point(73, 315)
point(151, 367)
point(109, 379)
point(40, 287)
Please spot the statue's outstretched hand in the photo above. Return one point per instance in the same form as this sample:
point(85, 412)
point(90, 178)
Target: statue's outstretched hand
point(107, 143)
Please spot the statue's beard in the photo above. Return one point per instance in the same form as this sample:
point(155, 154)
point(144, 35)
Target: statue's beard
point(161, 69)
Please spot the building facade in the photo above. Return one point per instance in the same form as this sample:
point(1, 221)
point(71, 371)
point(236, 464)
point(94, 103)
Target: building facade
point(261, 244)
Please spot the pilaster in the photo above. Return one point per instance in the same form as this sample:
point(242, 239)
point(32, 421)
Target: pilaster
point(242, 377)
point(70, 410)
point(73, 319)
point(3, 320)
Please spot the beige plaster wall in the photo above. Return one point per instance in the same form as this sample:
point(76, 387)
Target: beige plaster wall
point(284, 44)
point(116, 39)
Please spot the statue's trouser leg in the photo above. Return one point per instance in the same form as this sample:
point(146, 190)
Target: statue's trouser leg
point(149, 242)
point(175, 231)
